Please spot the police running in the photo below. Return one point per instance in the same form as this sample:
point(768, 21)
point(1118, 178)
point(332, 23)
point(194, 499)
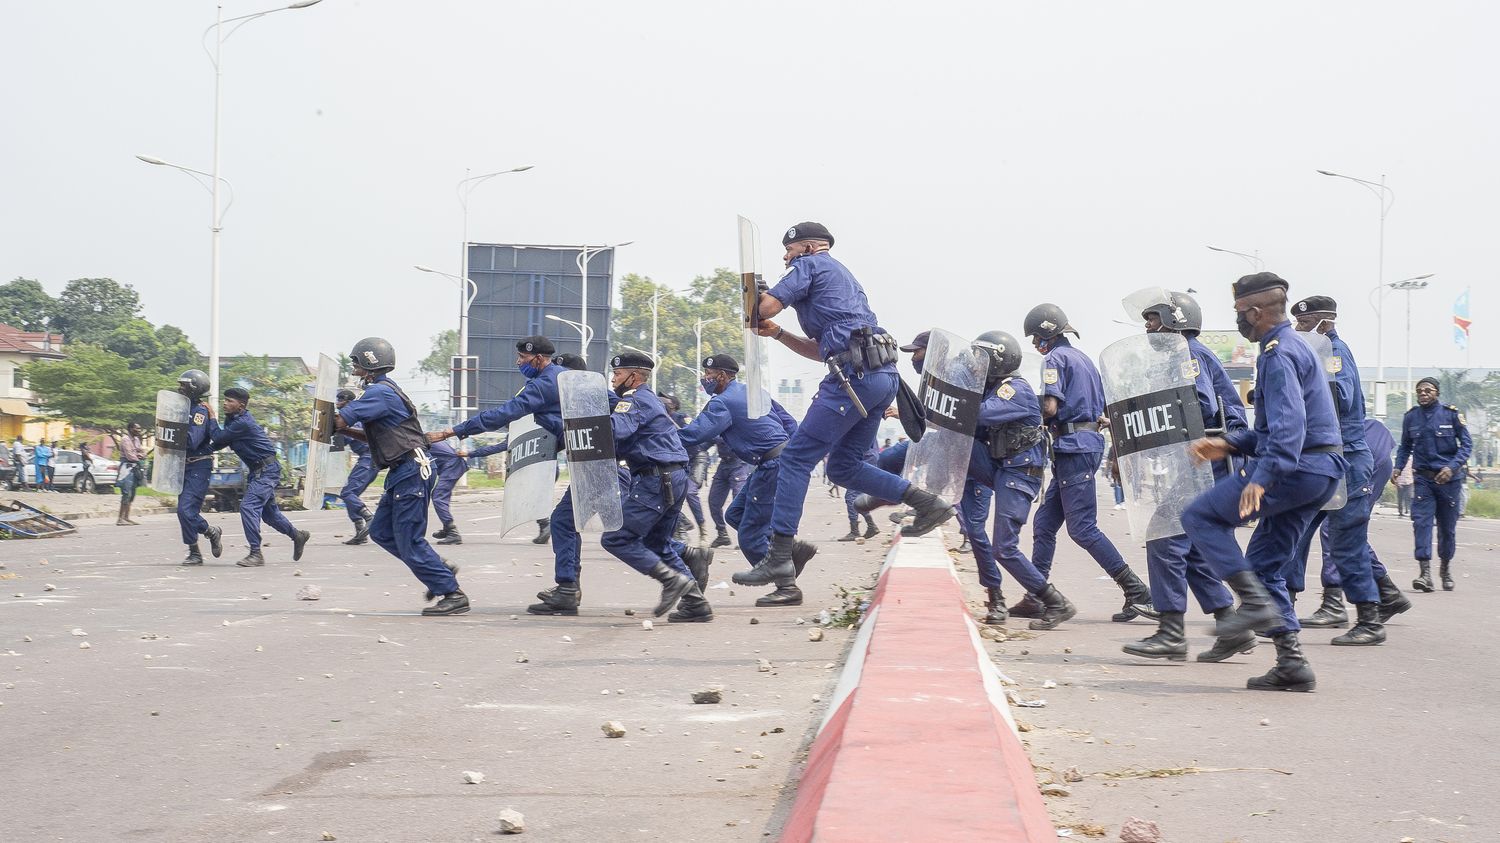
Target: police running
point(1435, 438)
point(194, 384)
point(242, 434)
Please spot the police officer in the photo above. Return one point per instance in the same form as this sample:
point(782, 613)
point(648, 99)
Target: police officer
point(646, 441)
point(1435, 437)
point(567, 360)
point(200, 465)
point(1295, 464)
point(697, 472)
point(450, 468)
point(757, 442)
point(1072, 405)
point(1009, 455)
point(844, 416)
point(360, 478)
point(1173, 564)
point(729, 479)
point(1349, 525)
point(242, 434)
point(388, 423)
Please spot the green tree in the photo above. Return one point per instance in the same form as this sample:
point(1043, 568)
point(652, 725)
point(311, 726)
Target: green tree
point(279, 396)
point(439, 362)
point(90, 309)
point(708, 297)
point(94, 387)
point(24, 305)
point(177, 351)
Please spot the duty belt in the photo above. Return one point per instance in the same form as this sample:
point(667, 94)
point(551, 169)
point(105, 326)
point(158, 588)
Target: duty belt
point(1029, 470)
point(260, 466)
point(661, 469)
point(1430, 474)
point(1073, 427)
point(1324, 449)
point(769, 455)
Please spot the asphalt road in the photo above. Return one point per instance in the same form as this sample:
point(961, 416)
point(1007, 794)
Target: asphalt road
point(212, 704)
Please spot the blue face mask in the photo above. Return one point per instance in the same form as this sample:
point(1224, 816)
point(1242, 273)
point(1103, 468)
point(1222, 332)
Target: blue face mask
point(530, 371)
point(710, 386)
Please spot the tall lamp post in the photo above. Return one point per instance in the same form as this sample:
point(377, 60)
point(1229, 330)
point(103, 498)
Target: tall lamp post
point(1407, 286)
point(1378, 294)
point(655, 301)
point(698, 347)
point(584, 253)
point(466, 296)
point(216, 217)
point(1255, 262)
point(1387, 199)
point(467, 291)
point(585, 333)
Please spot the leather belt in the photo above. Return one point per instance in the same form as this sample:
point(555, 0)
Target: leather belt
point(1029, 470)
point(769, 455)
point(659, 468)
point(1430, 474)
point(1074, 427)
point(1324, 449)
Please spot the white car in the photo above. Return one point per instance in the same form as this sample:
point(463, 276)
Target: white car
point(68, 472)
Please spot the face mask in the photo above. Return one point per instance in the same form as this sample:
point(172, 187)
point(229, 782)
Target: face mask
point(917, 364)
point(530, 371)
point(1242, 324)
point(710, 385)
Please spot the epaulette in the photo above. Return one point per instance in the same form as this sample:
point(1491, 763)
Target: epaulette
point(1272, 344)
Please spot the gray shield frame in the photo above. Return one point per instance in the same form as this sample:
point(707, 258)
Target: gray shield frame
point(953, 376)
point(320, 434)
point(170, 460)
point(593, 472)
point(1153, 411)
point(531, 471)
point(753, 367)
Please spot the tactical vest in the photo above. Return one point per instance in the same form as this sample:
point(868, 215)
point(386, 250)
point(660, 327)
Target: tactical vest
point(1007, 440)
point(392, 443)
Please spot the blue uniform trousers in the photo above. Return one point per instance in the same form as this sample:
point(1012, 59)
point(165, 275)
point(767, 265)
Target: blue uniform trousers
point(190, 499)
point(442, 491)
point(400, 526)
point(694, 502)
point(1071, 500)
point(1014, 492)
point(893, 459)
point(1285, 511)
point(1329, 573)
point(750, 513)
point(652, 505)
point(832, 427)
point(1347, 542)
point(1174, 566)
point(567, 547)
point(1435, 502)
point(973, 522)
point(360, 477)
point(259, 503)
point(725, 486)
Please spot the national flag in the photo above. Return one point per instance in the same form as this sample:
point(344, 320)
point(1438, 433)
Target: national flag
point(1461, 321)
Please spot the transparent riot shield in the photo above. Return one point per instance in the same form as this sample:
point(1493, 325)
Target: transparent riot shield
point(753, 367)
point(1153, 412)
point(593, 473)
point(170, 460)
point(953, 376)
point(1322, 346)
point(320, 433)
point(530, 473)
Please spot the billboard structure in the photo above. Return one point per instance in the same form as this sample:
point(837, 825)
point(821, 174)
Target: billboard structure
point(526, 290)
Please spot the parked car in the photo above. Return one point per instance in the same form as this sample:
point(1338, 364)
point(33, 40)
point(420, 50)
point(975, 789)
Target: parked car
point(68, 472)
point(7, 473)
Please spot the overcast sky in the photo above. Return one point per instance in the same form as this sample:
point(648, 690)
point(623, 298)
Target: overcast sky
point(972, 159)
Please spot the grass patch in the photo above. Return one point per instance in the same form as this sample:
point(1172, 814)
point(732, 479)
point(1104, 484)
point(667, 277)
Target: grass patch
point(1483, 503)
point(480, 480)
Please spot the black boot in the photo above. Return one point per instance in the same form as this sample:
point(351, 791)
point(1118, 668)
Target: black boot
point(802, 553)
point(698, 559)
point(963, 546)
point(1057, 609)
point(777, 565)
point(1423, 582)
point(253, 559)
point(1291, 673)
point(1169, 642)
point(674, 584)
point(1137, 598)
point(787, 593)
point(443, 533)
point(871, 531)
point(452, 568)
point(853, 532)
point(1256, 610)
point(865, 503)
point(994, 603)
point(1331, 613)
point(929, 511)
point(1445, 574)
point(692, 608)
point(1226, 646)
point(722, 539)
point(453, 536)
point(1029, 607)
point(194, 557)
point(561, 599)
point(1367, 631)
point(215, 540)
point(544, 531)
point(299, 543)
point(456, 603)
point(361, 532)
point(1392, 601)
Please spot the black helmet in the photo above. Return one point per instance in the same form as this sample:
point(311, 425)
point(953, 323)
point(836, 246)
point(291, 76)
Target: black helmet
point(1168, 307)
point(1003, 351)
point(344, 395)
point(373, 354)
point(1192, 314)
point(1046, 321)
point(569, 360)
point(193, 383)
point(671, 401)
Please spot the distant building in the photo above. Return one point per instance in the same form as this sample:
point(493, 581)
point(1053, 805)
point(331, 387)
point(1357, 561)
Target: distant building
point(19, 412)
point(791, 394)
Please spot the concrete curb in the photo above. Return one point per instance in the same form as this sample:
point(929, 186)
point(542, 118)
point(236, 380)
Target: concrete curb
point(918, 743)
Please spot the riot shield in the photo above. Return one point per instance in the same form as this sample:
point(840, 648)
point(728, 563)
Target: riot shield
point(953, 376)
point(1153, 411)
point(170, 461)
point(320, 433)
point(1144, 298)
point(753, 367)
point(529, 475)
point(593, 473)
point(1322, 346)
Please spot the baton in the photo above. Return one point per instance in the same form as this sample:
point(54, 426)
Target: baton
point(848, 388)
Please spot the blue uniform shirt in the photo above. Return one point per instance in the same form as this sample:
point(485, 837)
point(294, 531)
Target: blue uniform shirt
point(1293, 412)
point(644, 433)
point(726, 415)
point(1214, 386)
point(378, 403)
point(243, 435)
point(538, 398)
point(360, 449)
point(1349, 399)
point(1012, 401)
point(497, 448)
point(446, 460)
point(1070, 376)
point(1378, 438)
point(1435, 438)
point(199, 426)
point(830, 303)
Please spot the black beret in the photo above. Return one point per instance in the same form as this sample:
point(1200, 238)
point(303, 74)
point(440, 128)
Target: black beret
point(1316, 304)
point(806, 231)
point(344, 395)
point(917, 344)
point(568, 360)
point(1249, 285)
point(1431, 380)
point(535, 345)
point(721, 361)
point(237, 394)
point(632, 360)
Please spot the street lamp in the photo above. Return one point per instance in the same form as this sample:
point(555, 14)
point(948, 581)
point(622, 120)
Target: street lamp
point(1255, 262)
point(467, 291)
point(585, 333)
point(465, 298)
point(584, 253)
point(216, 217)
point(1387, 199)
point(698, 348)
point(1378, 304)
point(655, 300)
point(1407, 286)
